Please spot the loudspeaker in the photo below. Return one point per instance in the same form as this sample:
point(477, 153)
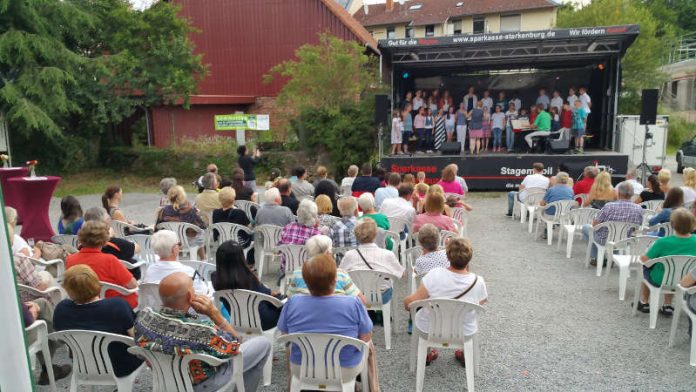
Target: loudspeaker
point(381, 109)
point(648, 112)
point(451, 148)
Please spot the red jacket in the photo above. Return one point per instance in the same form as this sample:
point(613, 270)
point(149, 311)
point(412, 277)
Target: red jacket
point(566, 119)
point(583, 186)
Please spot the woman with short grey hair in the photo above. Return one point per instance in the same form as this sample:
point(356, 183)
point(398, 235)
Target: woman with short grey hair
point(297, 233)
point(165, 185)
point(307, 213)
point(163, 242)
point(429, 240)
point(317, 245)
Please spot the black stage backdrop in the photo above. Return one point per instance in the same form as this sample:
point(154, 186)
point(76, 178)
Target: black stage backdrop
point(503, 172)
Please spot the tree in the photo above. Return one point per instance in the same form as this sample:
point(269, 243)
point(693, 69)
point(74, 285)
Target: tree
point(679, 15)
point(642, 60)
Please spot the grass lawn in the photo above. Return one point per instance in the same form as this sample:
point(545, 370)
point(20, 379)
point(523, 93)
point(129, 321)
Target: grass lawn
point(95, 181)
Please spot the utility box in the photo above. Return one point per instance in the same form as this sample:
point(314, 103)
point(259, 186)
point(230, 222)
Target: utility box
point(629, 139)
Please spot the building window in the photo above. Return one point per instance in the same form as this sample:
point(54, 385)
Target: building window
point(430, 30)
point(409, 31)
point(479, 25)
point(510, 23)
point(391, 32)
point(457, 27)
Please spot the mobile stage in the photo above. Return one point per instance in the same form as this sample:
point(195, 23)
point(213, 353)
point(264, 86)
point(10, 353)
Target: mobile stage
point(519, 63)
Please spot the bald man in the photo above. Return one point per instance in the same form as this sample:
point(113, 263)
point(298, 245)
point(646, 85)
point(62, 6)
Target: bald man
point(175, 329)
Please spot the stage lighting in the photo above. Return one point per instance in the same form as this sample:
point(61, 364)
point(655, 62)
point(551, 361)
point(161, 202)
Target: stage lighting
point(405, 75)
point(601, 66)
point(414, 56)
point(592, 47)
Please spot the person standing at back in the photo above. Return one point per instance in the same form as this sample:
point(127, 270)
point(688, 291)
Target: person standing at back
point(543, 99)
point(460, 121)
point(365, 183)
point(557, 101)
point(536, 180)
point(407, 128)
point(247, 163)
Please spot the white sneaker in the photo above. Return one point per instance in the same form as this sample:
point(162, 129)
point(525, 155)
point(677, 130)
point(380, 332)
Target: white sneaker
point(429, 152)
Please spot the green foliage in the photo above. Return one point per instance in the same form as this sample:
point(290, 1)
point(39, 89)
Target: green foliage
point(679, 131)
point(348, 135)
point(643, 59)
point(678, 15)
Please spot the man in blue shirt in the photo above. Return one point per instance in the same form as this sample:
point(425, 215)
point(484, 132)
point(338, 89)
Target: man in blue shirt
point(560, 191)
point(365, 183)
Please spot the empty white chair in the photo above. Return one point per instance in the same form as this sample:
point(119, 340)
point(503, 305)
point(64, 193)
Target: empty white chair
point(37, 336)
point(370, 282)
point(91, 362)
point(682, 305)
point(65, 239)
point(653, 205)
point(561, 209)
point(265, 241)
point(148, 296)
point(146, 252)
point(53, 294)
point(181, 228)
point(248, 207)
point(573, 223)
point(675, 268)
point(295, 256)
point(628, 259)
point(245, 317)
point(461, 216)
point(204, 269)
point(412, 255)
point(320, 368)
point(105, 286)
point(123, 229)
point(616, 231)
point(446, 331)
point(225, 232)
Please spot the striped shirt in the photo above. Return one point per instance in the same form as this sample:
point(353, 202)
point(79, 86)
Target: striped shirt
point(342, 232)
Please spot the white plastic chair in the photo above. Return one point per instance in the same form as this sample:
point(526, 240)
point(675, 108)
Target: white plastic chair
point(204, 269)
point(647, 215)
point(445, 235)
point(46, 264)
point(675, 268)
point(628, 259)
point(399, 225)
point(531, 204)
point(142, 264)
point(146, 252)
point(561, 209)
point(105, 286)
point(583, 198)
point(65, 239)
point(120, 228)
point(37, 333)
point(339, 251)
point(666, 228)
point(225, 232)
point(265, 241)
point(245, 318)
point(461, 216)
point(616, 231)
point(653, 205)
point(247, 206)
point(295, 256)
point(369, 282)
point(446, 320)
point(412, 255)
point(320, 368)
point(679, 306)
point(53, 294)
point(148, 296)
point(180, 228)
point(346, 190)
point(91, 362)
point(381, 241)
point(573, 223)
point(520, 207)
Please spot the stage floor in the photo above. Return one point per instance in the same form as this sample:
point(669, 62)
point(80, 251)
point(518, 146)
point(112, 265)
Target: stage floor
point(503, 171)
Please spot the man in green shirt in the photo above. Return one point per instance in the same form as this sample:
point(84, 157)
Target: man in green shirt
point(542, 124)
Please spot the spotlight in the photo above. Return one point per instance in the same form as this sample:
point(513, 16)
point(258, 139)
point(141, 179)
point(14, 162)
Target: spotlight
point(600, 66)
point(405, 75)
point(414, 56)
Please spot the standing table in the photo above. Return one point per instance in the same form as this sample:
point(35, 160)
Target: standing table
point(33, 196)
point(7, 194)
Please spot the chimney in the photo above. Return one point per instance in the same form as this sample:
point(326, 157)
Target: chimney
point(365, 8)
point(390, 5)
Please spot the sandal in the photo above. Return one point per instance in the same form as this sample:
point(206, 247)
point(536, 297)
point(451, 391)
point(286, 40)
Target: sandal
point(432, 355)
point(459, 356)
point(667, 310)
point(643, 308)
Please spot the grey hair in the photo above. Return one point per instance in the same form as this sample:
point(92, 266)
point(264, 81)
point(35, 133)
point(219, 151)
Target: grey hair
point(624, 190)
point(307, 213)
point(166, 183)
point(163, 242)
point(366, 201)
point(208, 180)
point(429, 237)
point(98, 214)
point(347, 206)
point(11, 216)
point(562, 178)
point(631, 173)
point(271, 195)
point(319, 244)
point(591, 171)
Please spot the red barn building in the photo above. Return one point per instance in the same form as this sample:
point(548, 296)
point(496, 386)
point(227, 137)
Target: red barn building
point(241, 40)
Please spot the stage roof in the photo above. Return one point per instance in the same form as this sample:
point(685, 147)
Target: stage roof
point(542, 48)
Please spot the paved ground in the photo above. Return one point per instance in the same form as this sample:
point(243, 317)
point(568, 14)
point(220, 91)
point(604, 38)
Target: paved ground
point(549, 326)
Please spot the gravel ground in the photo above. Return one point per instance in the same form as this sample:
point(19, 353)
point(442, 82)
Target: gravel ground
point(549, 326)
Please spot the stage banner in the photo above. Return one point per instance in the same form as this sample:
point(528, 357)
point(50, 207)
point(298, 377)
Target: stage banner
point(504, 172)
point(241, 122)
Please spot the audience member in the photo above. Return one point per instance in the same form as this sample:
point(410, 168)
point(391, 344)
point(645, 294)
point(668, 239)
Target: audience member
point(365, 183)
point(208, 200)
point(165, 244)
point(302, 188)
point(420, 177)
point(288, 198)
point(111, 201)
point(180, 209)
point(19, 245)
point(448, 181)
point(535, 180)
point(401, 207)
point(588, 178)
point(243, 188)
point(272, 212)
point(84, 310)
point(601, 192)
point(42, 309)
point(434, 214)
point(352, 174)
point(322, 174)
point(560, 191)
point(93, 236)
point(121, 248)
point(431, 257)
point(327, 188)
point(341, 232)
point(391, 191)
point(26, 274)
point(325, 208)
point(247, 162)
point(409, 179)
point(70, 220)
point(367, 204)
point(631, 179)
point(652, 191)
point(673, 200)
point(663, 177)
point(273, 177)
point(297, 233)
point(233, 273)
point(173, 330)
point(165, 185)
point(689, 186)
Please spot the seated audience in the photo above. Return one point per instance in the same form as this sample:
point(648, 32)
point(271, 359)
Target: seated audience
point(242, 187)
point(324, 187)
point(369, 256)
point(420, 191)
point(231, 214)
point(325, 208)
point(459, 178)
point(689, 186)
point(402, 206)
point(682, 243)
point(232, 273)
point(674, 200)
point(601, 192)
point(272, 212)
point(341, 232)
point(273, 178)
point(434, 214)
point(622, 210)
point(391, 191)
point(420, 177)
point(111, 201)
point(180, 209)
point(663, 177)
point(165, 244)
point(41, 309)
point(309, 313)
point(93, 236)
point(588, 178)
point(322, 174)
point(26, 274)
point(288, 198)
point(352, 174)
point(652, 191)
point(211, 168)
point(19, 245)
point(448, 181)
point(317, 245)
point(535, 180)
point(365, 183)
point(409, 179)
point(121, 248)
point(174, 330)
point(431, 257)
point(84, 310)
point(297, 233)
point(631, 179)
point(71, 216)
point(165, 185)
point(208, 200)
point(367, 204)
point(560, 191)
point(455, 282)
point(689, 280)
point(302, 188)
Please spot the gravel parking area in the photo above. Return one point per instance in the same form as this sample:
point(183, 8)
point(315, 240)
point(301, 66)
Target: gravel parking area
point(550, 324)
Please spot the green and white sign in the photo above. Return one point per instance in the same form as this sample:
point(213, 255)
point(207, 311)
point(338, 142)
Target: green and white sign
point(241, 122)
